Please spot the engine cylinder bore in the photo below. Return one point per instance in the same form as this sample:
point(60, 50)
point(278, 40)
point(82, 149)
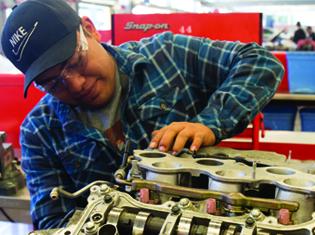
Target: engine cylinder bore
point(227, 187)
point(232, 173)
point(166, 178)
point(305, 201)
point(166, 165)
point(152, 155)
point(280, 171)
point(209, 162)
point(224, 186)
point(298, 182)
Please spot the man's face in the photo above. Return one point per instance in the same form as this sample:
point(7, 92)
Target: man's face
point(86, 79)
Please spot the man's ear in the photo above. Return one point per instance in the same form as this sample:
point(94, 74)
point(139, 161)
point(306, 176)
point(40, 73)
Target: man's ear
point(88, 25)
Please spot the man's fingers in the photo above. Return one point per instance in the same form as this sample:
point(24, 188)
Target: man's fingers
point(181, 140)
point(197, 142)
point(167, 135)
point(176, 135)
point(167, 139)
point(156, 137)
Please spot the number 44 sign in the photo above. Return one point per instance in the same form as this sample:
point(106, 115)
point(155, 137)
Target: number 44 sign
point(185, 29)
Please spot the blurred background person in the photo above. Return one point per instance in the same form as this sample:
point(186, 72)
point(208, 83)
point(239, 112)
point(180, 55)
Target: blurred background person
point(299, 33)
point(307, 44)
point(310, 33)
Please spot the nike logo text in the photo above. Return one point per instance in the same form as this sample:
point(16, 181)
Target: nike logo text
point(21, 37)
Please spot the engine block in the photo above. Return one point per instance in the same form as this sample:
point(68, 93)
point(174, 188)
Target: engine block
point(216, 191)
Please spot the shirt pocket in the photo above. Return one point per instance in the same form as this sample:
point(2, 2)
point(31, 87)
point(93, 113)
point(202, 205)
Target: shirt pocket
point(160, 104)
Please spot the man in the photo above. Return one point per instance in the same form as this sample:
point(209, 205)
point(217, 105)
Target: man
point(166, 92)
point(299, 33)
point(310, 33)
point(307, 44)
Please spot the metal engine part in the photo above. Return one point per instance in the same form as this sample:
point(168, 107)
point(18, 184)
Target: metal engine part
point(217, 191)
point(11, 177)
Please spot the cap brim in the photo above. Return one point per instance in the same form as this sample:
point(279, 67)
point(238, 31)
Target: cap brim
point(58, 53)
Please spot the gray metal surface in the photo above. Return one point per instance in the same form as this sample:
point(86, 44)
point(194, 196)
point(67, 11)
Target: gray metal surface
point(237, 183)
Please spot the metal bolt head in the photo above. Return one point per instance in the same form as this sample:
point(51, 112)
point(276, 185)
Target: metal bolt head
point(96, 217)
point(104, 188)
point(250, 222)
point(175, 209)
point(90, 226)
point(255, 213)
point(94, 188)
point(108, 198)
point(184, 202)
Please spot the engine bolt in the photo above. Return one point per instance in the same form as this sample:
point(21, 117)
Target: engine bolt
point(108, 198)
point(90, 228)
point(255, 213)
point(97, 217)
point(90, 225)
point(184, 202)
point(175, 210)
point(104, 188)
point(94, 189)
point(250, 222)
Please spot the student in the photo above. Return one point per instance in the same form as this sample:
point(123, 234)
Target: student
point(307, 44)
point(310, 33)
point(299, 33)
point(167, 92)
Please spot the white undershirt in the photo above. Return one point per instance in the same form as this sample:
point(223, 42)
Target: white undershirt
point(103, 118)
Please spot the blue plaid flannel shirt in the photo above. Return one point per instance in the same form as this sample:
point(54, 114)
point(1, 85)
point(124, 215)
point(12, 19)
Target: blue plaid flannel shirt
point(222, 85)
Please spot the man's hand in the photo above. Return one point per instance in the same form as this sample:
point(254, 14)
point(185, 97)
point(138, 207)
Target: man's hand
point(175, 136)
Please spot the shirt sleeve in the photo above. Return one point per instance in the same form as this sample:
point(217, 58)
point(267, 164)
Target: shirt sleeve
point(240, 79)
point(42, 176)
point(60, 151)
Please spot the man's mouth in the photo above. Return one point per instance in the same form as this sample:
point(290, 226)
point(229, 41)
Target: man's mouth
point(90, 92)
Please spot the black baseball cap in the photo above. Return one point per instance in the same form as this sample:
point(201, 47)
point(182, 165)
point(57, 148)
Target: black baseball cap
point(38, 35)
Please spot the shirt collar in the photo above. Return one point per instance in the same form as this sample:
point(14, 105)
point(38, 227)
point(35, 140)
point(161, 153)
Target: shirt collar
point(127, 60)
